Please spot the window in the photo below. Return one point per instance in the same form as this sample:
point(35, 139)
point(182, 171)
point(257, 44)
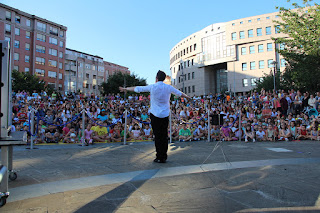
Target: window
point(16, 56)
point(27, 58)
point(244, 66)
point(87, 75)
point(241, 22)
point(250, 33)
point(260, 48)
point(194, 46)
point(60, 65)
point(268, 30)
point(27, 46)
point(253, 81)
point(16, 67)
point(8, 28)
point(259, 31)
point(8, 16)
point(270, 64)
point(7, 39)
point(61, 43)
point(261, 64)
point(40, 60)
point(53, 52)
point(53, 31)
point(258, 19)
point(283, 62)
point(277, 29)
point(17, 44)
point(41, 37)
point(233, 36)
point(282, 46)
point(245, 82)
point(61, 33)
point(243, 50)
point(53, 41)
point(188, 76)
point(40, 49)
point(52, 63)
point(233, 24)
point(192, 75)
point(28, 22)
point(28, 34)
point(191, 48)
point(249, 21)
point(268, 17)
point(26, 69)
point(18, 19)
point(60, 75)
point(52, 74)
point(251, 49)
point(88, 66)
point(269, 47)
point(17, 31)
point(241, 34)
point(39, 72)
point(60, 55)
point(252, 65)
point(189, 89)
point(41, 26)
point(193, 88)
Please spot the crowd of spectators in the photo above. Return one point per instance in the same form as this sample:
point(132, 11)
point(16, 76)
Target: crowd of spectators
point(252, 116)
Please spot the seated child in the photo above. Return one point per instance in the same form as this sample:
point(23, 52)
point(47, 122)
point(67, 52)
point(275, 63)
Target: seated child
point(71, 137)
point(136, 132)
point(260, 134)
point(302, 133)
point(271, 133)
point(249, 134)
point(215, 133)
point(148, 135)
point(184, 133)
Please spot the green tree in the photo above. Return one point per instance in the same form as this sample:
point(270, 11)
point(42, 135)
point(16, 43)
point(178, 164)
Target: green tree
point(267, 83)
point(301, 48)
point(25, 81)
point(117, 80)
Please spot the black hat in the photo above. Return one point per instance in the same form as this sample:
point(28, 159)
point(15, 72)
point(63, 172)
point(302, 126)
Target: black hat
point(161, 76)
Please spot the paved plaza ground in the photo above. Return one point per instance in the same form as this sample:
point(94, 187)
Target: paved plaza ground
point(198, 177)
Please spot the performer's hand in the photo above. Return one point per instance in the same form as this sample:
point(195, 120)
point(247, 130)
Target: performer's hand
point(122, 89)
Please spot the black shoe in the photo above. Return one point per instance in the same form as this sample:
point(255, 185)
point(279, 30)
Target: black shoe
point(159, 161)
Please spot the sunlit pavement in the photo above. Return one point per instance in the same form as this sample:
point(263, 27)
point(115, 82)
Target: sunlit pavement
point(198, 177)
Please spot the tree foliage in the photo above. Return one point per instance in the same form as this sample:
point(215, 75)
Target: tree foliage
point(25, 81)
point(117, 80)
point(302, 45)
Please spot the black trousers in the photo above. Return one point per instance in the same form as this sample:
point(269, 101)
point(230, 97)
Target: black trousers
point(160, 131)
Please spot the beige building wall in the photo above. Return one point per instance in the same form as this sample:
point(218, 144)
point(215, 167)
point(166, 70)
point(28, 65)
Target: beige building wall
point(218, 62)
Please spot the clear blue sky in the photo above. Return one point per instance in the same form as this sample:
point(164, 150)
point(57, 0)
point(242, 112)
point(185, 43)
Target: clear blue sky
point(138, 34)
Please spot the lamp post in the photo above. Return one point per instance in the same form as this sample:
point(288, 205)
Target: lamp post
point(274, 63)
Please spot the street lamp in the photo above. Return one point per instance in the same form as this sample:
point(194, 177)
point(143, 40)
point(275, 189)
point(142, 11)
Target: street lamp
point(274, 63)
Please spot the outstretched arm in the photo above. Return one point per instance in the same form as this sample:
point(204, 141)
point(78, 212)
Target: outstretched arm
point(122, 89)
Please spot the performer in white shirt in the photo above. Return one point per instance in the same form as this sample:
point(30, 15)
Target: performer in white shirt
point(159, 111)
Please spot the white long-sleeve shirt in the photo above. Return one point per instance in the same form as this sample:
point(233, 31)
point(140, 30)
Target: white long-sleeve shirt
point(159, 97)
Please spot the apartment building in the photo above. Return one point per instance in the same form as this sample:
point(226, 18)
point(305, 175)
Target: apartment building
point(37, 45)
point(85, 72)
point(112, 68)
point(229, 56)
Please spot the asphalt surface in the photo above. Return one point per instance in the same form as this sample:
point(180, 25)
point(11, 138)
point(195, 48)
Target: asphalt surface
point(198, 177)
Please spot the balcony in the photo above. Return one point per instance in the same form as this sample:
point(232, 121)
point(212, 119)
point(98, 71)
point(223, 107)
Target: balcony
point(70, 57)
point(69, 67)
